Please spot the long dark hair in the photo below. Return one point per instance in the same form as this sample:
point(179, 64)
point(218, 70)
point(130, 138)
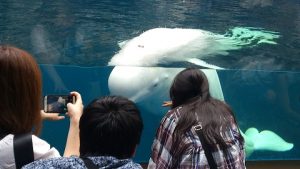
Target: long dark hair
point(190, 90)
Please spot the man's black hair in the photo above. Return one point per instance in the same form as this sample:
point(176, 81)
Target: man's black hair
point(110, 126)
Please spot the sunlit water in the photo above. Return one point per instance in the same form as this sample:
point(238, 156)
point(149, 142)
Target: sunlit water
point(263, 88)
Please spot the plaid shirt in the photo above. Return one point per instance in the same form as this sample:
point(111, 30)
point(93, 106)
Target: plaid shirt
point(193, 156)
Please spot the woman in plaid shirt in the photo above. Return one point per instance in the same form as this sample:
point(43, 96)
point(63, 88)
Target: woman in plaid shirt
point(177, 144)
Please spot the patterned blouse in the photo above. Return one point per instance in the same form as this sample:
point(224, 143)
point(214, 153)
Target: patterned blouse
point(75, 162)
point(193, 156)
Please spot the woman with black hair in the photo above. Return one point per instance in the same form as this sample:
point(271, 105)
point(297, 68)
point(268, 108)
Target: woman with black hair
point(199, 131)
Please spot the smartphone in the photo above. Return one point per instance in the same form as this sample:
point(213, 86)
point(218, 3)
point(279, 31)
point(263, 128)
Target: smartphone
point(57, 103)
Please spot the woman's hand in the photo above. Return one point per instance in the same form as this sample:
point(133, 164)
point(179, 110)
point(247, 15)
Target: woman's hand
point(167, 104)
point(51, 116)
point(75, 110)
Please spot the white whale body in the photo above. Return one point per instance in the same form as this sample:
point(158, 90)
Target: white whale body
point(136, 77)
point(167, 45)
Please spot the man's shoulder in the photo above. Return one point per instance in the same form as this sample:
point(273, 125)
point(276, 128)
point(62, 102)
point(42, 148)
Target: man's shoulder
point(59, 162)
point(113, 162)
point(77, 163)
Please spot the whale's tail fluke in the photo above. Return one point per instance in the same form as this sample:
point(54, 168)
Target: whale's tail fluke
point(252, 36)
point(239, 37)
point(234, 39)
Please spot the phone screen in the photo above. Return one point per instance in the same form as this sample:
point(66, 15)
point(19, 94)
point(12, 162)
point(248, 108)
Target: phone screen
point(57, 103)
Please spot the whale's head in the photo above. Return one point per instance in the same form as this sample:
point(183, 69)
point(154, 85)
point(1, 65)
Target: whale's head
point(138, 83)
point(142, 83)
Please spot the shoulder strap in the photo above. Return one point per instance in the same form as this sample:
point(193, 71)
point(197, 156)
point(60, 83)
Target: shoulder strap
point(23, 149)
point(207, 148)
point(89, 163)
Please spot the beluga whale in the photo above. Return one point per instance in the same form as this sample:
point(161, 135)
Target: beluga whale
point(137, 73)
point(166, 45)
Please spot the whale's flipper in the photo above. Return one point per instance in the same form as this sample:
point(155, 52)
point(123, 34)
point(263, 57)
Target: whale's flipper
point(215, 88)
point(264, 140)
point(203, 63)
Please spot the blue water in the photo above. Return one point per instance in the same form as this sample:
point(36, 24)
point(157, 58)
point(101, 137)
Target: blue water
point(87, 33)
point(74, 40)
